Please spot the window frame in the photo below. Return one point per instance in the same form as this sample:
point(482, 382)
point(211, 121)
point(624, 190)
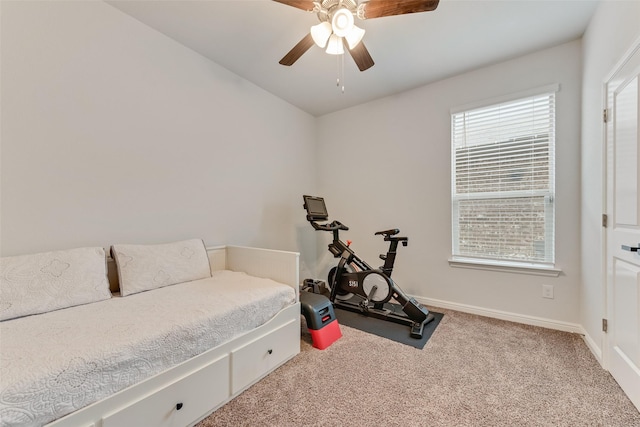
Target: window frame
point(494, 264)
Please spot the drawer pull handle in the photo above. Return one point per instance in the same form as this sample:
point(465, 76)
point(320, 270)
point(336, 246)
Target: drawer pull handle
point(270, 351)
point(179, 406)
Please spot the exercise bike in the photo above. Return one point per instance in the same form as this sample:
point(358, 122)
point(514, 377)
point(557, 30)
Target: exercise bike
point(355, 286)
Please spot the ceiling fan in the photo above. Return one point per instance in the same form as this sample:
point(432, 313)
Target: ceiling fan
point(337, 31)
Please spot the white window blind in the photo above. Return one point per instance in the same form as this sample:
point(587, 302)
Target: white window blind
point(503, 181)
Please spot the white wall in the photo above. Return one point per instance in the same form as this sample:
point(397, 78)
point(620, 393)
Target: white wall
point(114, 133)
point(612, 30)
point(387, 164)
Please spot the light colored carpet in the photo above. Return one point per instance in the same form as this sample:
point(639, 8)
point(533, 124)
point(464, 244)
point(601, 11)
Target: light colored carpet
point(474, 371)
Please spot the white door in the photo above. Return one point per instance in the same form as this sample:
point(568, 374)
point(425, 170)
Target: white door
point(623, 237)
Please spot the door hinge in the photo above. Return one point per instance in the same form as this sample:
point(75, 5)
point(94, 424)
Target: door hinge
point(604, 325)
point(605, 115)
point(604, 220)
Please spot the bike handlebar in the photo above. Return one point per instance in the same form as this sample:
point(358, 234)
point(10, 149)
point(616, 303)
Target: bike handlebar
point(332, 226)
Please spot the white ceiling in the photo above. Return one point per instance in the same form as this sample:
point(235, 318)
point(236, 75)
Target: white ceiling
point(249, 37)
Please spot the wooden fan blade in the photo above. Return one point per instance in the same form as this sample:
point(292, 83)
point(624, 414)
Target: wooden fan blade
point(297, 51)
point(300, 4)
point(381, 8)
point(360, 55)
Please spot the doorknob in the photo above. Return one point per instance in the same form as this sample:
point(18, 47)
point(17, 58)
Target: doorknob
point(631, 248)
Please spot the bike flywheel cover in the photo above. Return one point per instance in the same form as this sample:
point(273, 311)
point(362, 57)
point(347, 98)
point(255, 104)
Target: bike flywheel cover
point(383, 291)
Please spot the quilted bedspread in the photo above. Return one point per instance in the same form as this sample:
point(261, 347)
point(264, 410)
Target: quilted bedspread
point(54, 363)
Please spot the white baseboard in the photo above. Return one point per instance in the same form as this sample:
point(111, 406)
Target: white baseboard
point(505, 315)
point(594, 347)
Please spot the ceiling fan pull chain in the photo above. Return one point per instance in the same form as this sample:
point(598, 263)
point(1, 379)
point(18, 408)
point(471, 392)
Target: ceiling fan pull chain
point(342, 70)
point(338, 70)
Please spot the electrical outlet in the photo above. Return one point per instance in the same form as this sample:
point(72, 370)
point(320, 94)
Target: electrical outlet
point(547, 291)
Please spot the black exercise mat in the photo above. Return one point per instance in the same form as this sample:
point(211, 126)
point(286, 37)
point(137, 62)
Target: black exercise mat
point(383, 328)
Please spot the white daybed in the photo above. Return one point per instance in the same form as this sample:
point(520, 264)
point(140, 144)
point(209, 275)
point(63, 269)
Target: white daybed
point(126, 365)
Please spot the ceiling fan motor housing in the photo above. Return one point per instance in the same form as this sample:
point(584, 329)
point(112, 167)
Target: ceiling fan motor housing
point(328, 7)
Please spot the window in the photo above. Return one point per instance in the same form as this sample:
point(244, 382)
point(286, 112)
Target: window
point(503, 181)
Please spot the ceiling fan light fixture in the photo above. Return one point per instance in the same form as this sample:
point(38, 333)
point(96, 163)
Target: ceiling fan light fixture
point(354, 37)
point(321, 33)
point(335, 45)
point(342, 22)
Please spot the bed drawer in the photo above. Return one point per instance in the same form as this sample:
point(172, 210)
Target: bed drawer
point(180, 403)
point(253, 360)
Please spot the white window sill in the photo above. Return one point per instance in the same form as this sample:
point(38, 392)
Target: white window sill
point(522, 268)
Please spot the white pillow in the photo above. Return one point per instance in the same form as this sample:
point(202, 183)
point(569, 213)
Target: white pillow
point(146, 267)
point(38, 283)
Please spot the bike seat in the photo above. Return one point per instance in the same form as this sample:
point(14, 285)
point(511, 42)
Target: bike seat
point(387, 233)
